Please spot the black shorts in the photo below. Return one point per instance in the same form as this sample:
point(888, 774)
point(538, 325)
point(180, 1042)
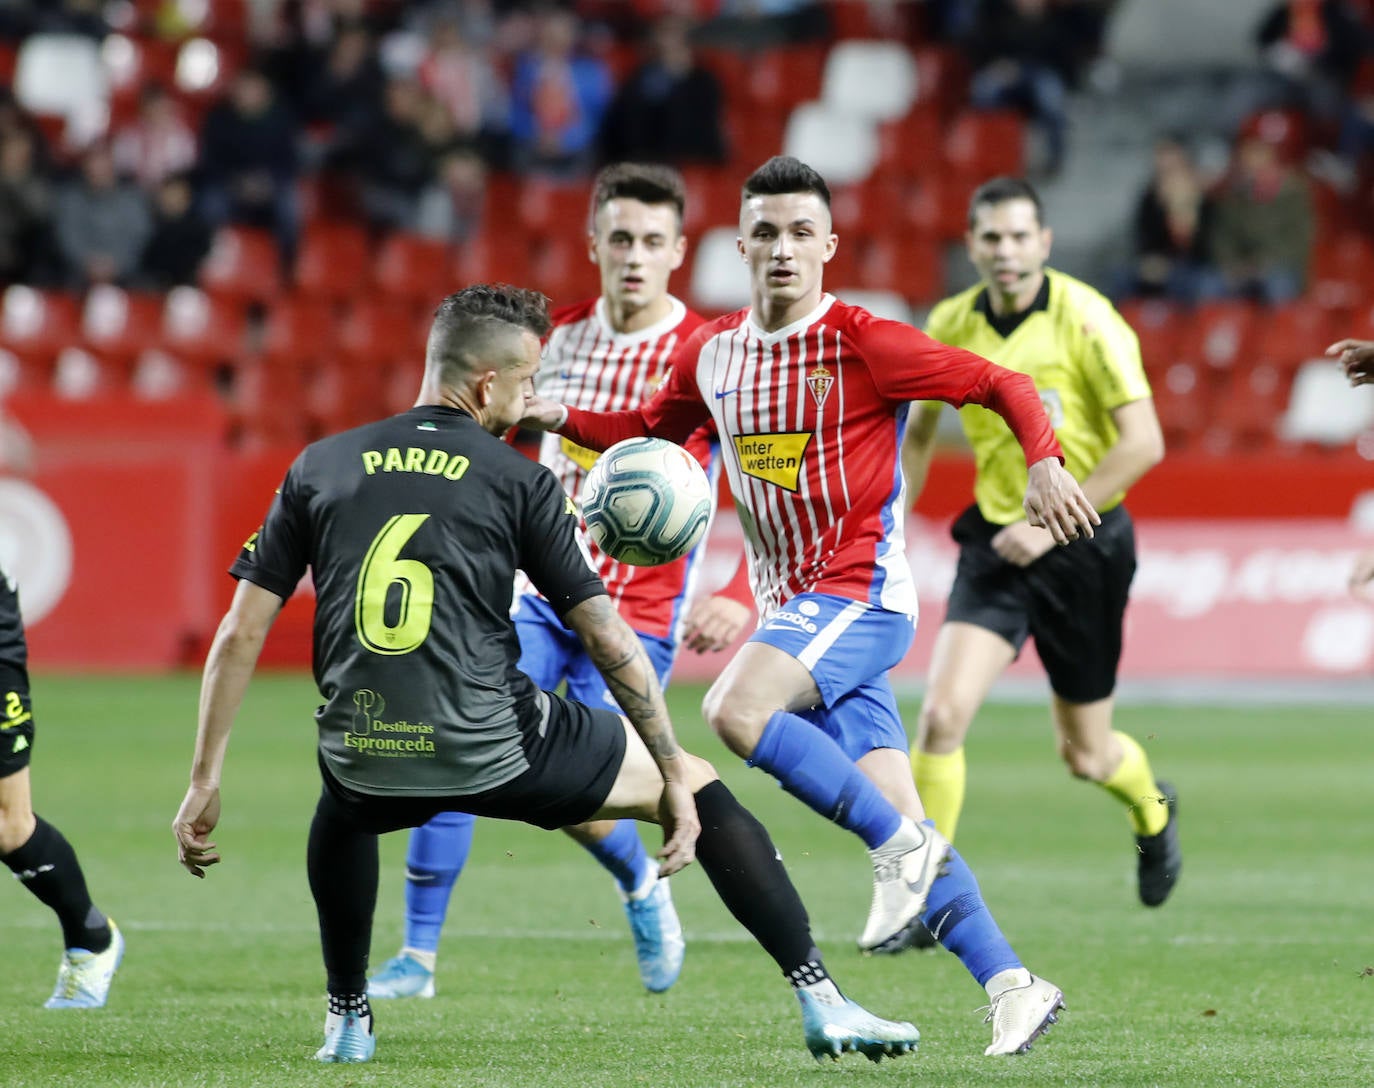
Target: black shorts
point(1072, 600)
point(573, 763)
point(16, 719)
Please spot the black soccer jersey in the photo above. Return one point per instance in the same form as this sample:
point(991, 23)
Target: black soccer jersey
point(13, 649)
point(412, 528)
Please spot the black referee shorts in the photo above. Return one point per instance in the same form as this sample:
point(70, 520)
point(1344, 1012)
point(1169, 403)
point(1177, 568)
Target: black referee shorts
point(16, 719)
point(574, 755)
point(1072, 600)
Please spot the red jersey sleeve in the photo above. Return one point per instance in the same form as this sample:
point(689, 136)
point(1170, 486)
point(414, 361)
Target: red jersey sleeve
point(674, 412)
point(908, 365)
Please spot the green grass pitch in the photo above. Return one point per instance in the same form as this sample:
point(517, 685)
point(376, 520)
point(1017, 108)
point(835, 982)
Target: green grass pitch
point(1258, 972)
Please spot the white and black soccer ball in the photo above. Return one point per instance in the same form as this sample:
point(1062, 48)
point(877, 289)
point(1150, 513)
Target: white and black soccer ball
point(646, 502)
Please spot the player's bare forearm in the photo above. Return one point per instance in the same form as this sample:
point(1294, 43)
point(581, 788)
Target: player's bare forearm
point(1356, 358)
point(918, 448)
point(542, 414)
point(1138, 448)
point(619, 656)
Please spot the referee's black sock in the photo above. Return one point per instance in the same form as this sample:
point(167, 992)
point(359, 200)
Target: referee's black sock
point(747, 872)
point(343, 866)
point(47, 866)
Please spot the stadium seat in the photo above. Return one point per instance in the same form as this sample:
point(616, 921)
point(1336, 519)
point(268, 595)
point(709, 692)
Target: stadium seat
point(1323, 409)
point(910, 267)
point(334, 261)
point(1342, 269)
point(713, 198)
point(380, 333)
point(489, 259)
point(62, 76)
point(117, 325)
point(876, 80)
point(200, 329)
point(720, 279)
point(888, 304)
point(1156, 328)
point(779, 78)
point(549, 208)
point(910, 147)
point(843, 147)
point(410, 269)
point(266, 403)
point(1182, 402)
point(159, 376)
point(1287, 335)
point(559, 267)
point(299, 329)
point(80, 375)
point(132, 62)
point(242, 264)
point(755, 135)
point(986, 143)
point(1217, 334)
point(942, 74)
point(35, 325)
point(1250, 404)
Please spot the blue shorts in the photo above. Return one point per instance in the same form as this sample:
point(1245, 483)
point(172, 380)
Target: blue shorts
point(847, 647)
point(550, 653)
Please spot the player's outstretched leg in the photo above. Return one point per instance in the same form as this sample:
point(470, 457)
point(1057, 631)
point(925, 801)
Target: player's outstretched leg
point(1022, 1006)
point(747, 873)
point(1160, 854)
point(648, 901)
point(435, 856)
point(46, 864)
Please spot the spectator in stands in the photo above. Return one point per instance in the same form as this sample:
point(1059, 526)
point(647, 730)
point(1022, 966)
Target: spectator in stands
point(459, 76)
point(558, 98)
point(345, 92)
point(25, 207)
point(84, 17)
point(180, 237)
point(1310, 50)
point(451, 210)
point(249, 162)
point(1172, 230)
point(1261, 235)
point(101, 222)
point(669, 109)
point(393, 161)
point(765, 24)
point(157, 143)
point(1023, 60)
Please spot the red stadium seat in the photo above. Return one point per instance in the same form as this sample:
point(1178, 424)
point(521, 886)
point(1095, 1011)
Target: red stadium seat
point(1182, 400)
point(243, 264)
point(201, 329)
point(908, 266)
point(943, 74)
point(559, 267)
point(548, 208)
point(1342, 269)
point(334, 261)
point(911, 147)
point(411, 269)
point(488, 259)
point(780, 78)
point(1156, 327)
point(267, 402)
point(1249, 405)
point(1217, 335)
point(986, 143)
point(1287, 336)
point(713, 198)
point(117, 325)
point(35, 325)
point(299, 330)
point(755, 135)
point(379, 334)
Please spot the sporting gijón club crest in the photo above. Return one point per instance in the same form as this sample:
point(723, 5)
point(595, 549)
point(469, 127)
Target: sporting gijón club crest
point(819, 382)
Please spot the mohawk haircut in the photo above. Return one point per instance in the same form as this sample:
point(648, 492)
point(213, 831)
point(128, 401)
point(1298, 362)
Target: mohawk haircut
point(999, 190)
point(785, 174)
point(467, 321)
point(648, 183)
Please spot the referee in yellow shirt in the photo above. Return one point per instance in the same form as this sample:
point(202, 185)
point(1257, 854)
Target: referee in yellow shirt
point(1012, 582)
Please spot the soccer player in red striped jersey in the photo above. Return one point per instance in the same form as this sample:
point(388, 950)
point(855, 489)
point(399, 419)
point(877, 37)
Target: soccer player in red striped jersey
point(607, 353)
point(810, 397)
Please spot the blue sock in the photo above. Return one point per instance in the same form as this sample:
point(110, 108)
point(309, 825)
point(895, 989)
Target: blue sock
point(437, 853)
point(813, 768)
point(622, 854)
point(961, 921)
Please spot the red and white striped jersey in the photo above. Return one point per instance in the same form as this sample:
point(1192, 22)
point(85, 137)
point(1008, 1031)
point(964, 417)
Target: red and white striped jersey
point(811, 419)
point(587, 363)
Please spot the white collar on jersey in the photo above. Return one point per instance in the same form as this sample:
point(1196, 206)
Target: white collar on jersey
point(827, 300)
point(676, 312)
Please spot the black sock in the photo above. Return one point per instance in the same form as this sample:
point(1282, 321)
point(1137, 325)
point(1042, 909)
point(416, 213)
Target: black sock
point(743, 864)
point(342, 862)
point(47, 866)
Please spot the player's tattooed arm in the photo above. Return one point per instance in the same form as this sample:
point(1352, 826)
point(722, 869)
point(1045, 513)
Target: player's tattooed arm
point(619, 656)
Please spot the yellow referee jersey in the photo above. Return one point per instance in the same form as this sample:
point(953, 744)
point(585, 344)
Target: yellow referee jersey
point(1084, 360)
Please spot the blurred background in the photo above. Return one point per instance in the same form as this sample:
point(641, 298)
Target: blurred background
point(224, 223)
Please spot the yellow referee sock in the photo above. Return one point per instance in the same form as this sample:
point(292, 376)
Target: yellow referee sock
point(1133, 784)
point(940, 782)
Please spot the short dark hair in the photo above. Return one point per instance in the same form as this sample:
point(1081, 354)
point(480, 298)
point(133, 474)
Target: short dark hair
point(648, 183)
point(466, 321)
point(999, 190)
point(785, 174)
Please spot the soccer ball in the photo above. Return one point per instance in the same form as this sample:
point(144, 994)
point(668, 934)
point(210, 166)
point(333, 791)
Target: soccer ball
point(646, 502)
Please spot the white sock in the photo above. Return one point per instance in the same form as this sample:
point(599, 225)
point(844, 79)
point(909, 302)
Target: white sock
point(424, 959)
point(825, 992)
point(646, 886)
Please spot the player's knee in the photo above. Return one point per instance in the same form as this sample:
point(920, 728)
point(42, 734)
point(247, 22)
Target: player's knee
point(943, 724)
point(700, 773)
point(1083, 762)
point(732, 722)
point(16, 826)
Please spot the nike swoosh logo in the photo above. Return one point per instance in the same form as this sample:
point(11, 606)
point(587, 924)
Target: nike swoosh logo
point(721, 394)
point(565, 374)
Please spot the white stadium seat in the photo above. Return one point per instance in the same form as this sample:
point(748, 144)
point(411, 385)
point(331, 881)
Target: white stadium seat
point(1323, 408)
point(62, 75)
point(842, 146)
point(876, 80)
point(720, 279)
